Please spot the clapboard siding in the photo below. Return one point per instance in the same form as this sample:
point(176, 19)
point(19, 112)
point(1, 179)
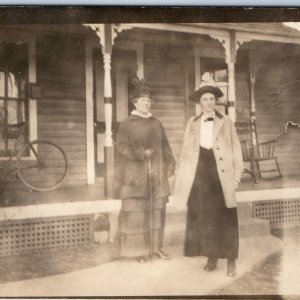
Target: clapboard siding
point(70, 103)
point(242, 88)
point(61, 111)
point(169, 108)
point(242, 98)
point(274, 111)
point(63, 118)
point(74, 94)
point(165, 71)
point(63, 126)
point(191, 107)
point(63, 133)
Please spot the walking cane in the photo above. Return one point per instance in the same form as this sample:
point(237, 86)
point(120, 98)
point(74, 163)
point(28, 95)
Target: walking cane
point(150, 210)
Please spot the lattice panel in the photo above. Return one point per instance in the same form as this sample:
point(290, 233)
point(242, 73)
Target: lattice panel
point(23, 236)
point(278, 211)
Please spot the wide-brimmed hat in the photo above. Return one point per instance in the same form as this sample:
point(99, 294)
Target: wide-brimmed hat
point(139, 88)
point(209, 86)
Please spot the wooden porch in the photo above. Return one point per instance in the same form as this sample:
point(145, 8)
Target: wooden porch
point(61, 195)
point(269, 184)
point(95, 192)
point(72, 209)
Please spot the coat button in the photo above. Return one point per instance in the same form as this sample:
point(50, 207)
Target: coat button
point(221, 158)
point(217, 148)
point(223, 171)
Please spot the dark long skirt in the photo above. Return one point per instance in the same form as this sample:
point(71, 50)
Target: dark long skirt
point(212, 228)
point(133, 232)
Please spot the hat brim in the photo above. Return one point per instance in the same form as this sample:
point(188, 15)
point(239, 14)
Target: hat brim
point(148, 94)
point(206, 89)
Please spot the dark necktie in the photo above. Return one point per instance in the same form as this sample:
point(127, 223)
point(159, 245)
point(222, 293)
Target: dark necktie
point(208, 119)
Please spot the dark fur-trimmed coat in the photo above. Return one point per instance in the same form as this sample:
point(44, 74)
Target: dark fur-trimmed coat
point(136, 134)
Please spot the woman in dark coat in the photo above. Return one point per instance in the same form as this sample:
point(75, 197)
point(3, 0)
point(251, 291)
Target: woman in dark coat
point(209, 172)
point(141, 138)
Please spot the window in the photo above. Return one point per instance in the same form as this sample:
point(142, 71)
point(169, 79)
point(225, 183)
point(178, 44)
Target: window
point(13, 92)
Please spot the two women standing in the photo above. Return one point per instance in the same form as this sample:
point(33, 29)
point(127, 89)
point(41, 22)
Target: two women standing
point(209, 171)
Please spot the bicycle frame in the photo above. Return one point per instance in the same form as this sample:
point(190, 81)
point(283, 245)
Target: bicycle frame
point(7, 164)
point(36, 161)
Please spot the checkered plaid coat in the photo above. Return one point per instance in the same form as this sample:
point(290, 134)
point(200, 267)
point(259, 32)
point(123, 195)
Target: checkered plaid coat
point(228, 155)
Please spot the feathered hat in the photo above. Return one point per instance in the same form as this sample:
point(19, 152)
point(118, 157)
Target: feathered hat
point(139, 88)
point(208, 85)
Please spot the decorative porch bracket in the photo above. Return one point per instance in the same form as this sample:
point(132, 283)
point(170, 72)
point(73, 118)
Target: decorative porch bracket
point(229, 45)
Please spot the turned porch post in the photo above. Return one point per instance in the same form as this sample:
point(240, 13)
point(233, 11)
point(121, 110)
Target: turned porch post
point(230, 60)
point(108, 143)
point(197, 75)
point(252, 100)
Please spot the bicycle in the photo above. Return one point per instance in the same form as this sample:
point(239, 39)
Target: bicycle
point(40, 164)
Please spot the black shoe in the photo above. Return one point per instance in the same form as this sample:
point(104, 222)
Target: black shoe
point(163, 255)
point(211, 264)
point(231, 267)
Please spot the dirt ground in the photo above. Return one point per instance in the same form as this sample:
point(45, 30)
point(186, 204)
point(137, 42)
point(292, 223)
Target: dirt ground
point(263, 279)
point(46, 263)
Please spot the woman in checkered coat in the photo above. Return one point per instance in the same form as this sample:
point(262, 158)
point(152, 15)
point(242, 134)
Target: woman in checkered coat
point(209, 172)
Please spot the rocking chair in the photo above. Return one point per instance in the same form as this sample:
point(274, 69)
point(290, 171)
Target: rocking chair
point(254, 154)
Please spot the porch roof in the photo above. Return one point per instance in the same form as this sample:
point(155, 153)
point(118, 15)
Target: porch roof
point(271, 28)
point(264, 28)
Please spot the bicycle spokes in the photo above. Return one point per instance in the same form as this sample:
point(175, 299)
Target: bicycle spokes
point(45, 169)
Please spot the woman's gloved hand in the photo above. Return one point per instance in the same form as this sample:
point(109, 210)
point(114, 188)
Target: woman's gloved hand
point(149, 153)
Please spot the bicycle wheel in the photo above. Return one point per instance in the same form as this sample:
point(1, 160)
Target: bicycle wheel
point(45, 169)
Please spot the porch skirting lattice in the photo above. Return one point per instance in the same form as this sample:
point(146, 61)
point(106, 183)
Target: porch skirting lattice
point(278, 212)
point(24, 236)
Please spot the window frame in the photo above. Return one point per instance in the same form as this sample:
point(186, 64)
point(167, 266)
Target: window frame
point(15, 35)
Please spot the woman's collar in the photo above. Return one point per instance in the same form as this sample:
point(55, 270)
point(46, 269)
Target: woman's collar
point(136, 113)
point(210, 115)
point(218, 115)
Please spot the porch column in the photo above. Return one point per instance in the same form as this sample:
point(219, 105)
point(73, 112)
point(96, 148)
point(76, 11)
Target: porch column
point(32, 78)
point(109, 150)
point(197, 74)
point(231, 78)
point(252, 102)
point(90, 147)
point(140, 60)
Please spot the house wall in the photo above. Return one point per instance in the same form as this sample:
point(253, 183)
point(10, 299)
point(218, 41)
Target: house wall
point(61, 110)
point(242, 88)
point(166, 73)
point(275, 110)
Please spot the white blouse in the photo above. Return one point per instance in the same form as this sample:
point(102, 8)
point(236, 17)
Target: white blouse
point(206, 133)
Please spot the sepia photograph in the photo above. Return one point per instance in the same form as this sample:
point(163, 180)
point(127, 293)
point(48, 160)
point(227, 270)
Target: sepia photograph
point(149, 152)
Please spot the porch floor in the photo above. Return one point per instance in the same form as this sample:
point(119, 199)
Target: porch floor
point(264, 184)
point(96, 192)
point(63, 194)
